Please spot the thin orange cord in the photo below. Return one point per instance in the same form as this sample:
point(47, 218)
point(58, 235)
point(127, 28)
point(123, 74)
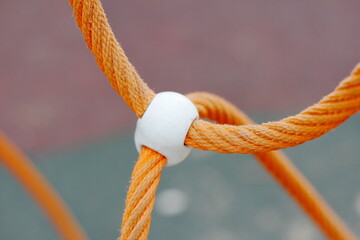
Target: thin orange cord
point(40, 189)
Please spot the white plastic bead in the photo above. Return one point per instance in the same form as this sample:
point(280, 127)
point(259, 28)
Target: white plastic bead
point(165, 124)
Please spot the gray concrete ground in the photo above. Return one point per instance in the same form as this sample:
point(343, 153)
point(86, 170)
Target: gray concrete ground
point(209, 196)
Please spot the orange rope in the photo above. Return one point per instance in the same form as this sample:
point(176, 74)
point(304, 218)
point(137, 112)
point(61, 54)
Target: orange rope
point(309, 124)
point(146, 175)
point(40, 189)
point(313, 122)
point(141, 195)
point(100, 39)
point(278, 165)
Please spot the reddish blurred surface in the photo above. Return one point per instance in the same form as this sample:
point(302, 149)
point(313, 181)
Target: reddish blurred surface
point(265, 56)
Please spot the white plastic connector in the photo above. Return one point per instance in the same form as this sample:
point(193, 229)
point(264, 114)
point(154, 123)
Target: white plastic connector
point(165, 124)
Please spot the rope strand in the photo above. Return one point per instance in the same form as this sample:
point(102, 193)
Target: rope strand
point(41, 190)
point(311, 123)
point(141, 195)
point(110, 57)
point(279, 167)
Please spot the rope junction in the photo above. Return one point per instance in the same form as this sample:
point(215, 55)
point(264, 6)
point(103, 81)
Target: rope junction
point(233, 132)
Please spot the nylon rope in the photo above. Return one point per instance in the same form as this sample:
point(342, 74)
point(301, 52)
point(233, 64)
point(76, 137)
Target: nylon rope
point(278, 166)
point(233, 133)
point(307, 125)
point(40, 189)
point(311, 123)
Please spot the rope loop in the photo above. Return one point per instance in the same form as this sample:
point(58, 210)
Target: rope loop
point(313, 122)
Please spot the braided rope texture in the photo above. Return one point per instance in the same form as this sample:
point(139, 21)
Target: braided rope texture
point(141, 195)
point(278, 166)
point(110, 57)
point(311, 123)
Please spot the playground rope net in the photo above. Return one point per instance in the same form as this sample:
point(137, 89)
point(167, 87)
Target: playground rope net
point(233, 132)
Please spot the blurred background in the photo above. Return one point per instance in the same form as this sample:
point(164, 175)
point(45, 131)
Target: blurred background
point(270, 58)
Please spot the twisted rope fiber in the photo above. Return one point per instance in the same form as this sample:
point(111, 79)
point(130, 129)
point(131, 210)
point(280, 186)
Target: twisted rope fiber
point(141, 195)
point(40, 189)
point(278, 165)
point(309, 124)
point(110, 57)
point(139, 204)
